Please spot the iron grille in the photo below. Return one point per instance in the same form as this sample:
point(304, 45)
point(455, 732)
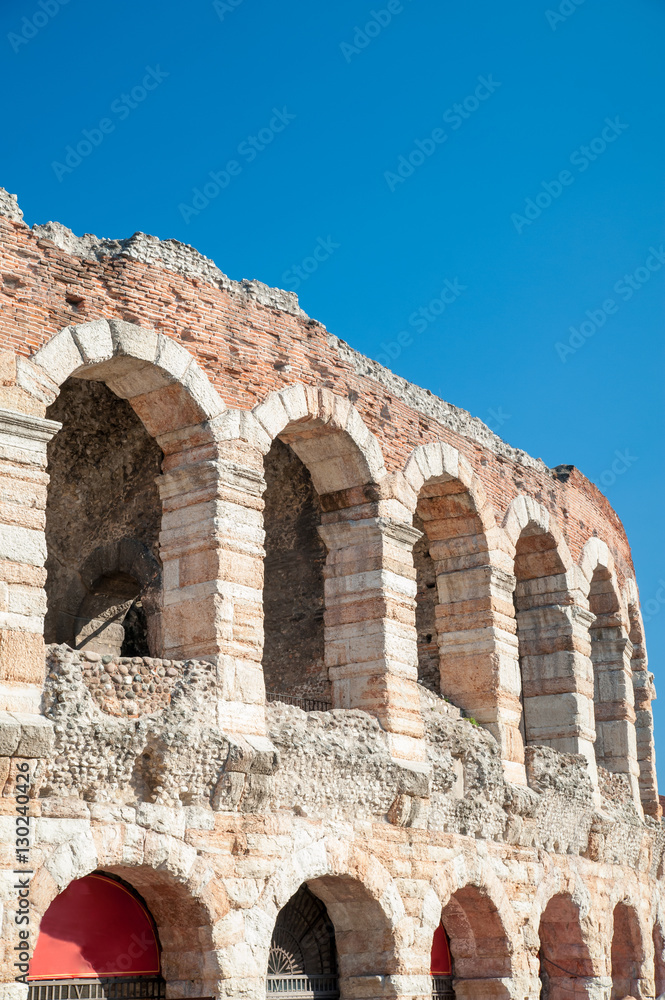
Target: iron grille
point(113, 988)
point(442, 988)
point(307, 704)
point(303, 986)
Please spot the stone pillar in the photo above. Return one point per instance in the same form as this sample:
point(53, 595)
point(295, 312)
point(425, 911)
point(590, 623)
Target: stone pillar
point(614, 703)
point(645, 692)
point(23, 482)
point(475, 621)
point(211, 545)
point(370, 636)
point(557, 678)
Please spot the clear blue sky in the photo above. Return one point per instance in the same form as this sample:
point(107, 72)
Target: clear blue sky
point(326, 172)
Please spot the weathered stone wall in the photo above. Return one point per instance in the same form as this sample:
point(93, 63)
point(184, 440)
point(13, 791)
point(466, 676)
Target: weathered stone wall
point(291, 472)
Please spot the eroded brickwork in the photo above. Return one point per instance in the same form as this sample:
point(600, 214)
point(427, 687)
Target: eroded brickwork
point(294, 519)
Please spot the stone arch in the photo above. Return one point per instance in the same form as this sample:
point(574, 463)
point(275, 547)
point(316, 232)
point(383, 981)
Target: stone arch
point(168, 882)
point(328, 435)
point(611, 658)
point(206, 597)
point(658, 936)
point(369, 653)
point(319, 450)
point(627, 953)
point(551, 625)
point(361, 900)
point(463, 633)
point(485, 939)
point(159, 377)
point(566, 966)
point(563, 898)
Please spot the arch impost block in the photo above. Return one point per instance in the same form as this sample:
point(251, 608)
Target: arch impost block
point(341, 534)
point(23, 437)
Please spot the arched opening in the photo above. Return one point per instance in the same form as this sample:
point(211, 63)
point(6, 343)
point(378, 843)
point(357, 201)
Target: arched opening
point(293, 593)
point(658, 959)
point(542, 635)
point(479, 948)
point(627, 953)
point(302, 959)
point(565, 963)
point(441, 966)
point(343, 935)
point(429, 673)
point(103, 518)
point(97, 940)
point(452, 582)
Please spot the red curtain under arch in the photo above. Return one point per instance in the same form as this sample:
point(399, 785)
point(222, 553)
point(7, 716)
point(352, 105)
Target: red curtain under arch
point(96, 927)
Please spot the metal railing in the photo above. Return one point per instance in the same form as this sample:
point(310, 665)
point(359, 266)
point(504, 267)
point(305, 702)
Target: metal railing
point(113, 988)
point(307, 704)
point(303, 986)
point(442, 988)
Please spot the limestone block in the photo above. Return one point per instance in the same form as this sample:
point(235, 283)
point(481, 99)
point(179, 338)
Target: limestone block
point(34, 381)
point(172, 357)
point(93, 340)
point(21, 656)
point(133, 341)
point(143, 379)
point(10, 734)
point(36, 735)
point(161, 819)
point(23, 440)
point(202, 392)
point(24, 600)
point(22, 545)
point(59, 357)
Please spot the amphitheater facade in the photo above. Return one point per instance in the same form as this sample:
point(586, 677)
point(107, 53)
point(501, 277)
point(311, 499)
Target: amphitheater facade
point(307, 679)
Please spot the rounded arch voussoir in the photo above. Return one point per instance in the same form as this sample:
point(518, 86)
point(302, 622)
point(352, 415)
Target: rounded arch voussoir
point(157, 375)
point(326, 432)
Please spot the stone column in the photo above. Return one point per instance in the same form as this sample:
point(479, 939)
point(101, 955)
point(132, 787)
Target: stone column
point(370, 636)
point(557, 678)
point(645, 692)
point(475, 621)
point(614, 703)
point(23, 482)
point(211, 546)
